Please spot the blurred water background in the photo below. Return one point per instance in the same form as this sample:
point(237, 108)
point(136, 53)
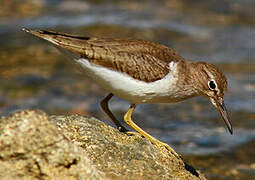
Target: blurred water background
point(34, 75)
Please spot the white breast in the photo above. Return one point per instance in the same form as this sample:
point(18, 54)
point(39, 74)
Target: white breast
point(130, 89)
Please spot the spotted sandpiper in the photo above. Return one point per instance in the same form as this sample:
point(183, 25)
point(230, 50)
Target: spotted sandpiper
point(141, 72)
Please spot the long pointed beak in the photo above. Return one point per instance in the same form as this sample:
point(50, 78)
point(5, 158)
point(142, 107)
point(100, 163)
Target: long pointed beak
point(219, 104)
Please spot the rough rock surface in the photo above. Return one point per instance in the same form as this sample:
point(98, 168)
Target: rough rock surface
point(31, 147)
point(34, 145)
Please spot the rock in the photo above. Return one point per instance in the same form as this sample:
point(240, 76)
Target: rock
point(32, 147)
point(35, 145)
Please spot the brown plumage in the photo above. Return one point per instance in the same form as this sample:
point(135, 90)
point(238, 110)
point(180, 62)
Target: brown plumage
point(155, 73)
point(143, 60)
point(201, 73)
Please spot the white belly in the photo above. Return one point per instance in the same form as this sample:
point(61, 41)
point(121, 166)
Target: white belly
point(130, 89)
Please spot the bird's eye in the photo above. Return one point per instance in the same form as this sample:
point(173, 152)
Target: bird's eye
point(212, 84)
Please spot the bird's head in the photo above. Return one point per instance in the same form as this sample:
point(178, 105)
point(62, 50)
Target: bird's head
point(212, 83)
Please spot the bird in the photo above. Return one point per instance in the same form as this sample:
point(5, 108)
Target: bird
point(141, 72)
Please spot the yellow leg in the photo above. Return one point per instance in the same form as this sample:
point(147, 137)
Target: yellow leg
point(104, 106)
point(128, 120)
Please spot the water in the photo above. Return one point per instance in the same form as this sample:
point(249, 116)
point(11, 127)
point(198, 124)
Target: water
point(34, 75)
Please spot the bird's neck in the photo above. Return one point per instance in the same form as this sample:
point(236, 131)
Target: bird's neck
point(188, 76)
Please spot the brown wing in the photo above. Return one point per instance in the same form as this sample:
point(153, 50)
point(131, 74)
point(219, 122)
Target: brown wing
point(142, 60)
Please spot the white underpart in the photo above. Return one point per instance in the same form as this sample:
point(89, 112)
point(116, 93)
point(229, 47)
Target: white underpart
point(171, 65)
point(133, 90)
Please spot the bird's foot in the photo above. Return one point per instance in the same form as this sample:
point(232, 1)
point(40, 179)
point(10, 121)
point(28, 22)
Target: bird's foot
point(122, 129)
point(157, 143)
point(132, 133)
point(161, 145)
